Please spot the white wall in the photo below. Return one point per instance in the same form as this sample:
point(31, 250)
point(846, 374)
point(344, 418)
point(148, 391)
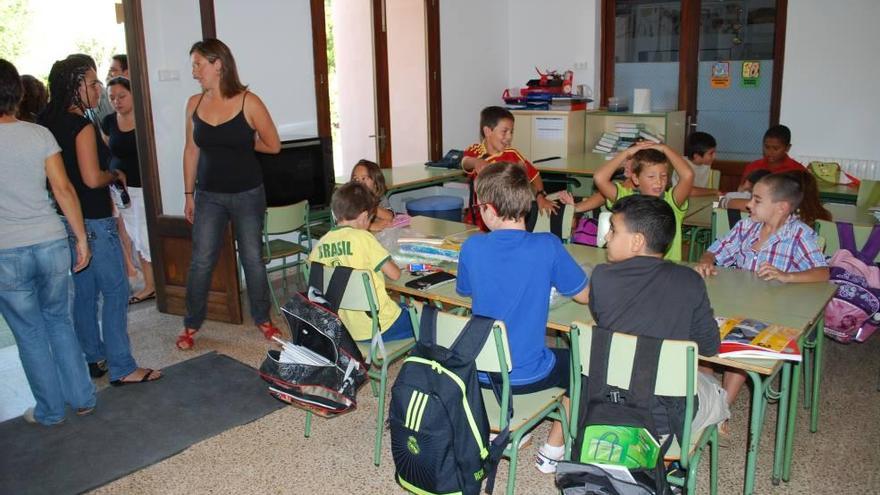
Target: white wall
point(829, 89)
point(170, 29)
point(275, 60)
point(474, 63)
point(557, 34)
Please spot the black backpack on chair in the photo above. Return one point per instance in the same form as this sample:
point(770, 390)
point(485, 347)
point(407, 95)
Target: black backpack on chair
point(439, 428)
point(327, 388)
point(605, 404)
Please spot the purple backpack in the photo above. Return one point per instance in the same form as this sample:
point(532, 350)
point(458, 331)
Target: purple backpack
point(853, 314)
point(586, 231)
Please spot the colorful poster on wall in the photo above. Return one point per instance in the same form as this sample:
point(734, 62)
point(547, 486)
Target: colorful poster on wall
point(721, 75)
point(751, 74)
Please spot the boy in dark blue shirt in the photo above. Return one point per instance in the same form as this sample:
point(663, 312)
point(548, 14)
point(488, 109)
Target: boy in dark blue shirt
point(509, 273)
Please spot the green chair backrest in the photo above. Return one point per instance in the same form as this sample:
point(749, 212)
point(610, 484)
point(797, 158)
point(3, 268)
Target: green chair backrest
point(671, 370)
point(714, 179)
point(721, 222)
point(828, 231)
point(360, 293)
point(284, 219)
point(542, 224)
point(869, 194)
point(449, 326)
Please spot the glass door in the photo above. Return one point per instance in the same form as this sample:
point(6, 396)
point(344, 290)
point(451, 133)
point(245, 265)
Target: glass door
point(646, 51)
point(718, 60)
point(735, 74)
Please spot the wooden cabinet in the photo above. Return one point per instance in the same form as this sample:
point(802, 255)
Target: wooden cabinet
point(670, 124)
point(542, 134)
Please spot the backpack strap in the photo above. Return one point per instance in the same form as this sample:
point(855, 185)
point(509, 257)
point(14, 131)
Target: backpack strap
point(733, 216)
point(336, 287)
point(872, 246)
point(846, 237)
point(428, 326)
point(556, 222)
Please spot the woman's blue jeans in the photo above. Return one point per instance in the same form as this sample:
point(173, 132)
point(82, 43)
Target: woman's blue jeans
point(105, 276)
point(213, 211)
point(36, 297)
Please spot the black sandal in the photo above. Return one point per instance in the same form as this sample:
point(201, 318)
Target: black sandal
point(144, 379)
point(99, 369)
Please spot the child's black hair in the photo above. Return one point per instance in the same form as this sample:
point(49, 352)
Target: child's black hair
point(490, 116)
point(700, 143)
point(780, 132)
point(784, 187)
point(757, 175)
point(650, 216)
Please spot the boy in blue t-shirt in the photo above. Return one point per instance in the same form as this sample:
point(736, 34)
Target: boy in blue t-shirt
point(509, 273)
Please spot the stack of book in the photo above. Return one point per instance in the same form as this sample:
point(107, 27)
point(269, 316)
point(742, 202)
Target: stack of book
point(749, 338)
point(629, 132)
point(648, 136)
point(569, 103)
point(607, 144)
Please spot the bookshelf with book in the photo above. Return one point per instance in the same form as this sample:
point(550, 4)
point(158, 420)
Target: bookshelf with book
point(666, 126)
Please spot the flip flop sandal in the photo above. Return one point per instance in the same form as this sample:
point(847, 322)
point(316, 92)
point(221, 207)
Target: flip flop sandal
point(146, 378)
point(136, 299)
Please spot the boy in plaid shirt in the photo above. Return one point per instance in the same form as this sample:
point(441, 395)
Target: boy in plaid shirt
point(772, 242)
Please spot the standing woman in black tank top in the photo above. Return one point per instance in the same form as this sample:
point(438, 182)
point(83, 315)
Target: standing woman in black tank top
point(225, 126)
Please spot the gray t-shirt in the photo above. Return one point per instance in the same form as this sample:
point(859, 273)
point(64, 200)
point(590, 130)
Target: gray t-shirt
point(26, 213)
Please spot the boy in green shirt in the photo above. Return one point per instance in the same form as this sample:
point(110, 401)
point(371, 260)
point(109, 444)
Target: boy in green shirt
point(650, 175)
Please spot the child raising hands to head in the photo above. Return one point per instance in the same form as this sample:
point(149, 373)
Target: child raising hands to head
point(650, 177)
point(369, 174)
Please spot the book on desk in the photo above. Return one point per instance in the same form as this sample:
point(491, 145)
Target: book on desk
point(749, 338)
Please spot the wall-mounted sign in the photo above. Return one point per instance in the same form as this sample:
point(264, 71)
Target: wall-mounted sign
point(751, 74)
point(721, 75)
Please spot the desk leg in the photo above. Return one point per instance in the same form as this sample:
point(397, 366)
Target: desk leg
point(782, 423)
point(817, 373)
point(792, 415)
point(756, 423)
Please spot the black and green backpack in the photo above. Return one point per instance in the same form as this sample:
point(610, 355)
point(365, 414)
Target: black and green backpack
point(439, 429)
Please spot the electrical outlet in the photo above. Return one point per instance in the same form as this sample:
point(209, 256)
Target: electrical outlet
point(169, 75)
point(580, 66)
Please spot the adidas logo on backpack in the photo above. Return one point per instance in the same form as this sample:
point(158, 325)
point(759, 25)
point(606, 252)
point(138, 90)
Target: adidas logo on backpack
point(439, 428)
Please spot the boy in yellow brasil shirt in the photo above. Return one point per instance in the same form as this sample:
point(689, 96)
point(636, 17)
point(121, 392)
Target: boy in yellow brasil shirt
point(351, 244)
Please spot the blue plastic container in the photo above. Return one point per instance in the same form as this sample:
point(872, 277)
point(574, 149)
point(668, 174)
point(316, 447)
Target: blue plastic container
point(443, 207)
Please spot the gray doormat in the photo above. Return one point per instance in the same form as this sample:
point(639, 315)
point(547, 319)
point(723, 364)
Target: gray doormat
point(133, 427)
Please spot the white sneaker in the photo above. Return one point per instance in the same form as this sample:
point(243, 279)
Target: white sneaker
point(545, 463)
point(28, 416)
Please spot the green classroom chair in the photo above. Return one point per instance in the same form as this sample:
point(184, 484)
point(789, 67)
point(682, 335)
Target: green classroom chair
point(542, 224)
point(281, 220)
point(528, 410)
point(721, 219)
point(714, 179)
point(828, 230)
point(676, 377)
point(360, 295)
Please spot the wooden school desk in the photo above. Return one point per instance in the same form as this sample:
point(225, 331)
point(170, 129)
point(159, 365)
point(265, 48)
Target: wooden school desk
point(732, 293)
point(407, 177)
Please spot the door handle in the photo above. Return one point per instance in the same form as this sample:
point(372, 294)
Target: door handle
point(381, 138)
point(691, 122)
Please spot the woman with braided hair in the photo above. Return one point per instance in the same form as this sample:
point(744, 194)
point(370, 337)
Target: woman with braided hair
point(75, 88)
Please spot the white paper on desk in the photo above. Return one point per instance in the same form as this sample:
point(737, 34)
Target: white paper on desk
point(550, 128)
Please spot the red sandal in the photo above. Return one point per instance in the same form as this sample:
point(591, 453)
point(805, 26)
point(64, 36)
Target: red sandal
point(269, 330)
point(185, 339)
